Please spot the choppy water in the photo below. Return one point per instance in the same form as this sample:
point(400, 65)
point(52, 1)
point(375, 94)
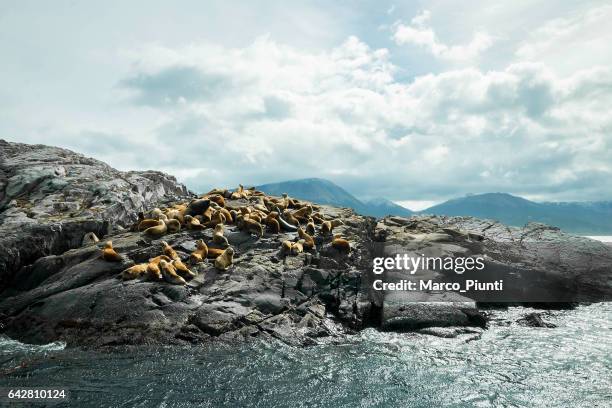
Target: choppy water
point(569, 366)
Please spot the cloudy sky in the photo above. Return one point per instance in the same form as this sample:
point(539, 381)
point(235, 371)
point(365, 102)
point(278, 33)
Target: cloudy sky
point(415, 102)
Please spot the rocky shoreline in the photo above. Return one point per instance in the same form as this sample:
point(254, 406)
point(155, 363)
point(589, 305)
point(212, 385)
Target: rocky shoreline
point(53, 288)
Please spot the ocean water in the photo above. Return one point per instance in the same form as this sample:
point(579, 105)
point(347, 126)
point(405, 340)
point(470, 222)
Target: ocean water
point(509, 366)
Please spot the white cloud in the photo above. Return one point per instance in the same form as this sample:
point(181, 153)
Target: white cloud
point(217, 112)
point(343, 114)
point(420, 34)
point(570, 43)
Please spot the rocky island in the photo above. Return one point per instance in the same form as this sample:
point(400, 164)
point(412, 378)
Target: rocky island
point(296, 286)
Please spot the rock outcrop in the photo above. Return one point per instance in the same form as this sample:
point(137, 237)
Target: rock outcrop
point(539, 265)
point(50, 197)
point(56, 289)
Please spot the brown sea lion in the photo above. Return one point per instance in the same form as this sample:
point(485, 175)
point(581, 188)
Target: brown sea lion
point(229, 219)
point(326, 227)
point(252, 226)
point(134, 272)
point(310, 227)
point(158, 230)
point(193, 223)
point(297, 247)
point(286, 247)
point(225, 260)
point(273, 226)
point(169, 273)
point(217, 218)
point(169, 251)
point(182, 269)
point(308, 240)
point(218, 237)
point(147, 223)
point(200, 253)
point(173, 225)
point(341, 244)
point(109, 254)
point(213, 253)
point(217, 198)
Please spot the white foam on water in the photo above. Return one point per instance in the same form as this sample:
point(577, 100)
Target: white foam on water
point(602, 238)
point(8, 345)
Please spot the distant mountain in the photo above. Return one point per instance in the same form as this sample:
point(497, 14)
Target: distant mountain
point(586, 218)
point(577, 217)
point(380, 207)
point(313, 189)
point(325, 192)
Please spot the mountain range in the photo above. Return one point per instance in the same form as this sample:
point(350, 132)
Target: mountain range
point(325, 192)
point(587, 218)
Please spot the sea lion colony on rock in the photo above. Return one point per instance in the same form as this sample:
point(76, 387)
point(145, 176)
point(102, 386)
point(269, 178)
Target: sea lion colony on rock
point(213, 210)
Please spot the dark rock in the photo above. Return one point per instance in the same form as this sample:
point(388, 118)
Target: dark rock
point(51, 197)
point(57, 290)
point(534, 320)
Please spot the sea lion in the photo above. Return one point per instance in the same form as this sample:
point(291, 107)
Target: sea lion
point(267, 201)
point(252, 226)
point(174, 214)
point(109, 254)
point(157, 231)
point(288, 216)
point(217, 218)
point(273, 226)
point(283, 223)
point(228, 215)
point(224, 261)
point(336, 222)
point(272, 215)
point(134, 272)
point(260, 207)
point(310, 227)
point(302, 212)
point(326, 227)
point(255, 217)
point(182, 269)
point(192, 223)
point(213, 253)
point(173, 225)
point(147, 223)
point(197, 206)
point(318, 218)
point(169, 273)
point(283, 204)
point(169, 251)
point(218, 237)
point(153, 271)
point(89, 239)
point(308, 240)
point(217, 198)
point(341, 244)
point(297, 247)
point(155, 213)
point(214, 191)
point(286, 247)
point(200, 253)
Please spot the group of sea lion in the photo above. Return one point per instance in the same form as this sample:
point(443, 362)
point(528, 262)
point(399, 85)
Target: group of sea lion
point(215, 209)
